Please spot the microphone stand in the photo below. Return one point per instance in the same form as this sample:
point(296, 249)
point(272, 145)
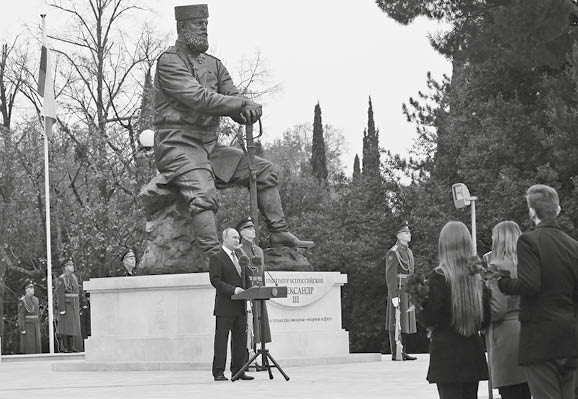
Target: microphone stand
point(267, 271)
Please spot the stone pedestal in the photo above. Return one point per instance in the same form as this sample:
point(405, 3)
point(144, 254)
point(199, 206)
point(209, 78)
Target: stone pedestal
point(166, 322)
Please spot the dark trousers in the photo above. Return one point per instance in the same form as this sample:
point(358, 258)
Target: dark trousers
point(67, 343)
point(518, 391)
point(392, 344)
point(552, 379)
point(463, 390)
point(237, 325)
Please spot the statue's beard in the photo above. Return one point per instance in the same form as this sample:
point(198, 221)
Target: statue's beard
point(196, 43)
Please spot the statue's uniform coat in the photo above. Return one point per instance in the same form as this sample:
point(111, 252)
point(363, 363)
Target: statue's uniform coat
point(191, 91)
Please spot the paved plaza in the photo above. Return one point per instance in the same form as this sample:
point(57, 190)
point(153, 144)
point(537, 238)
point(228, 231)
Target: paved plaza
point(385, 379)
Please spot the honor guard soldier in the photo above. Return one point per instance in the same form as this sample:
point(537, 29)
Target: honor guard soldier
point(67, 298)
point(28, 321)
point(399, 265)
point(256, 269)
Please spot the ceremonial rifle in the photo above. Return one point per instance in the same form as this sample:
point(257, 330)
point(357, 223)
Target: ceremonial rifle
point(398, 344)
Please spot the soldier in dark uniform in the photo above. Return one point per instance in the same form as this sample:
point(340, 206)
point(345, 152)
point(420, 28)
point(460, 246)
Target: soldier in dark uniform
point(256, 269)
point(29, 321)
point(67, 294)
point(192, 90)
point(399, 265)
point(128, 267)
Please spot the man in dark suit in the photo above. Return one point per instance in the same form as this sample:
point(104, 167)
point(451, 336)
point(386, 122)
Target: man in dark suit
point(229, 278)
point(548, 287)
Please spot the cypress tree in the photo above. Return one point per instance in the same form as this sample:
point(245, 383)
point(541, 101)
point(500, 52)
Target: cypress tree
point(146, 116)
point(356, 169)
point(318, 158)
point(371, 162)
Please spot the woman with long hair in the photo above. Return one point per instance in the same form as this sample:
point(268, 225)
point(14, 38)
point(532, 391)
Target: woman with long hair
point(456, 309)
point(503, 334)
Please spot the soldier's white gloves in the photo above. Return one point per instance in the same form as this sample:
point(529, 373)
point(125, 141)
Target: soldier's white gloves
point(395, 301)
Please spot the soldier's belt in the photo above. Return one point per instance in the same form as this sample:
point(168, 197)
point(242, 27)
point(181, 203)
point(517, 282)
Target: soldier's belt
point(403, 275)
point(33, 316)
point(71, 295)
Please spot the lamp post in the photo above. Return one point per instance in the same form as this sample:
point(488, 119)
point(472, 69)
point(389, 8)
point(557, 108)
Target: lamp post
point(147, 141)
point(462, 198)
point(147, 138)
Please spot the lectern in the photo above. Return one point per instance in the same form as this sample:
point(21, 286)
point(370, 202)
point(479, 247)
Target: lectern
point(260, 295)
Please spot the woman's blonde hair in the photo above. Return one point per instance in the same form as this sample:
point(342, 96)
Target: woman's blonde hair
point(455, 250)
point(504, 239)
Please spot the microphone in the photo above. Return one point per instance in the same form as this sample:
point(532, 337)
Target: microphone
point(243, 261)
point(257, 261)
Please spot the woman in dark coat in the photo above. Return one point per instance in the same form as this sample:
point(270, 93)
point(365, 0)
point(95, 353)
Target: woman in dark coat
point(503, 337)
point(456, 309)
point(28, 321)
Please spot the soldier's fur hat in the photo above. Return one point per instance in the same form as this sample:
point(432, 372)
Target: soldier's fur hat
point(193, 11)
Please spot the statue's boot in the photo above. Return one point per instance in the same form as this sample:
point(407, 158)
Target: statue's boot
point(269, 202)
point(205, 228)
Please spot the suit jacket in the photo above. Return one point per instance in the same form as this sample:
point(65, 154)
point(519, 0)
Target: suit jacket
point(548, 287)
point(225, 278)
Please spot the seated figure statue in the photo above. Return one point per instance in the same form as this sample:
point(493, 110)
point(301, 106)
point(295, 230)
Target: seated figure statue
point(192, 91)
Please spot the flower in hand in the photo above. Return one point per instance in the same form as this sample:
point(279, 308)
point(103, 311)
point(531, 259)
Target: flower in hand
point(491, 271)
point(418, 289)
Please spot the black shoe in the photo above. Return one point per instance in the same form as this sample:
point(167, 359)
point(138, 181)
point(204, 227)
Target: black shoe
point(221, 378)
point(408, 357)
point(246, 377)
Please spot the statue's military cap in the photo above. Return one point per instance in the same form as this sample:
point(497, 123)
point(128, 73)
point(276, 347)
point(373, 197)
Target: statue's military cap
point(243, 223)
point(403, 227)
point(193, 11)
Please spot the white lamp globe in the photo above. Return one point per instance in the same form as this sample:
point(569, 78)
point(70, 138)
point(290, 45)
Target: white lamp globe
point(147, 138)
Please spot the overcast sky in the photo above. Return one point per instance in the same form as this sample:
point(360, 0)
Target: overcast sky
point(336, 52)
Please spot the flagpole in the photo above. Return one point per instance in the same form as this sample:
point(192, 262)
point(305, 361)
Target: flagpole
point(47, 129)
point(47, 133)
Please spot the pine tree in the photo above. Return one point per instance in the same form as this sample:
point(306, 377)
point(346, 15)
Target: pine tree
point(356, 169)
point(318, 157)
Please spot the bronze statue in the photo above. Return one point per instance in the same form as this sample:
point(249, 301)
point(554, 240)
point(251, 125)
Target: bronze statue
point(192, 91)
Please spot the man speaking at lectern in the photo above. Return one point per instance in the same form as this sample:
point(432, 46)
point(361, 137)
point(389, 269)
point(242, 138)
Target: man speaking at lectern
point(229, 278)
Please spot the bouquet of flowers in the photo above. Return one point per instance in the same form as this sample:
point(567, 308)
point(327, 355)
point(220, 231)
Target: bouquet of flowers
point(418, 289)
point(487, 271)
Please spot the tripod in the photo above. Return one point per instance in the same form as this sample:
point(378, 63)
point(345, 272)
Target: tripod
point(263, 352)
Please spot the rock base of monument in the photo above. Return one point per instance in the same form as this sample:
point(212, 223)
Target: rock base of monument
point(166, 322)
